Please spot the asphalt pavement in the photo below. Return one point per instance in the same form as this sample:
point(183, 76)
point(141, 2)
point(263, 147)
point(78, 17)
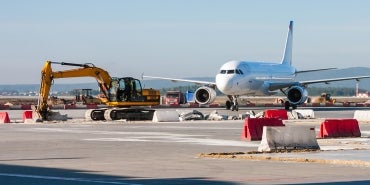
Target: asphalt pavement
point(142, 152)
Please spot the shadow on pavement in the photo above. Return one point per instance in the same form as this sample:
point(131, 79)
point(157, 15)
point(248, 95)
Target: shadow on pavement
point(340, 183)
point(16, 174)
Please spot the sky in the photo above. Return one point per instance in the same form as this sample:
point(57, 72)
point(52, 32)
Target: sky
point(177, 38)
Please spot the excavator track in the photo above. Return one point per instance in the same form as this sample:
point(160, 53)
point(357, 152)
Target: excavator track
point(119, 114)
point(95, 114)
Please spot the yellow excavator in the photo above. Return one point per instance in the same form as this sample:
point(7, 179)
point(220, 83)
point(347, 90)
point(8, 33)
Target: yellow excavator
point(125, 96)
point(323, 98)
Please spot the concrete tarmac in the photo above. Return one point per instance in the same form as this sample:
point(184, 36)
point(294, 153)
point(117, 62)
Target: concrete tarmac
point(142, 152)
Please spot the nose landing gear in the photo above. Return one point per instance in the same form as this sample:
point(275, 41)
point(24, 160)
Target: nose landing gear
point(232, 103)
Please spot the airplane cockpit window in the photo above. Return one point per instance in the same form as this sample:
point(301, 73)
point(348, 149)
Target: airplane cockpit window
point(230, 71)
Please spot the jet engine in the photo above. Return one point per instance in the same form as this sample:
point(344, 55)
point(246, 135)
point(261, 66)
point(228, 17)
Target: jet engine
point(205, 95)
point(297, 95)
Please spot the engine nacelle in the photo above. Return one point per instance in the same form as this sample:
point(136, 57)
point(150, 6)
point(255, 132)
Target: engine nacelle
point(205, 95)
point(297, 95)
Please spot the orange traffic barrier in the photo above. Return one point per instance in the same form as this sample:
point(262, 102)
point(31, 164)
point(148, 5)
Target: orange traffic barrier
point(193, 105)
point(276, 113)
point(332, 128)
point(27, 115)
point(91, 106)
point(4, 107)
point(68, 106)
point(26, 107)
point(4, 117)
point(253, 127)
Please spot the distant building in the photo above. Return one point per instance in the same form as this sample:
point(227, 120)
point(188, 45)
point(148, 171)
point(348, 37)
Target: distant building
point(363, 95)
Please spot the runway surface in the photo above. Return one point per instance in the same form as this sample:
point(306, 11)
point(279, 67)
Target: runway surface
point(142, 152)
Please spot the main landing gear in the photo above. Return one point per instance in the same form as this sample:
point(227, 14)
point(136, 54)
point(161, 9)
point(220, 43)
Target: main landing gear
point(232, 103)
point(287, 105)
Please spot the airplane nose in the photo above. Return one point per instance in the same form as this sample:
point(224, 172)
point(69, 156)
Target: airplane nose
point(223, 83)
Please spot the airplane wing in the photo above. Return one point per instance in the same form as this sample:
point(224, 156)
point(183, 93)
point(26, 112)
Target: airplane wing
point(198, 82)
point(357, 78)
point(280, 85)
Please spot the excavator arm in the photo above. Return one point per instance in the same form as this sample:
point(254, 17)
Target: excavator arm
point(85, 70)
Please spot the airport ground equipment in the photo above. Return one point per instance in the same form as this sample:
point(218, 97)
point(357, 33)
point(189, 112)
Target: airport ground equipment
point(323, 98)
point(84, 96)
point(124, 96)
point(174, 98)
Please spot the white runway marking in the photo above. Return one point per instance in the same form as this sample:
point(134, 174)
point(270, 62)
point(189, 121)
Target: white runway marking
point(176, 139)
point(64, 179)
point(153, 137)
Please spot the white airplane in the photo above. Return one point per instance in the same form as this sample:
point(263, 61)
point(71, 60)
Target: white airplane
point(252, 78)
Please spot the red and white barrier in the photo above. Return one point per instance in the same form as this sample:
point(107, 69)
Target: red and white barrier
point(253, 127)
point(27, 116)
point(276, 113)
point(332, 128)
point(4, 117)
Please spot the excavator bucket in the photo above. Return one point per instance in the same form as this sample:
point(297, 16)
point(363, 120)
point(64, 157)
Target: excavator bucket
point(52, 116)
point(48, 116)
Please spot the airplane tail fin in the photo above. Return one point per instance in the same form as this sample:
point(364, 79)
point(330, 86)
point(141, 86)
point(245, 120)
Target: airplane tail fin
point(287, 58)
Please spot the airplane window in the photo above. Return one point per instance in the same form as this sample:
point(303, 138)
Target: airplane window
point(240, 71)
point(223, 71)
point(237, 71)
point(230, 71)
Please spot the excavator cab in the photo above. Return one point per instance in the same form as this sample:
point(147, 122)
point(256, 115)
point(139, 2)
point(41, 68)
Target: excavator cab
point(125, 89)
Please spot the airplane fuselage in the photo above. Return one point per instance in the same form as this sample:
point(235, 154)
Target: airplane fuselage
point(238, 78)
point(252, 78)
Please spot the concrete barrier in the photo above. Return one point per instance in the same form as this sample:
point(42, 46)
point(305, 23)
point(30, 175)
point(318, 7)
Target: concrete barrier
point(253, 127)
point(166, 116)
point(15, 107)
point(362, 115)
point(332, 128)
point(4, 117)
point(303, 114)
point(288, 138)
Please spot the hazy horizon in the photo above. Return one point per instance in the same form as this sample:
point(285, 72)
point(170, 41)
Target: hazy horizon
point(179, 39)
